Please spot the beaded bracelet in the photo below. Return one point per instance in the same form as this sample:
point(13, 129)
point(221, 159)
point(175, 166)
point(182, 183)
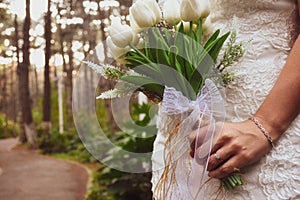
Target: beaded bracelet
point(263, 130)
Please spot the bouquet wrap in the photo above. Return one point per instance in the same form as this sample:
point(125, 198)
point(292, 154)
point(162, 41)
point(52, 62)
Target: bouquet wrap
point(189, 115)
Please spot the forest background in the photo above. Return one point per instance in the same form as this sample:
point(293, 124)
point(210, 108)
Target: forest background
point(42, 46)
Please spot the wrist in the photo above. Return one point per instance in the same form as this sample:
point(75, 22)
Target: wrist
point(263, 130)
point(273, 128)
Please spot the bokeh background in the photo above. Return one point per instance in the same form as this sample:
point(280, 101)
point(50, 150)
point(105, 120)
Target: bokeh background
point(42, 46)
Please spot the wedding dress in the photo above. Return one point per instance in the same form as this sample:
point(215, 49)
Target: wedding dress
point(272, 26)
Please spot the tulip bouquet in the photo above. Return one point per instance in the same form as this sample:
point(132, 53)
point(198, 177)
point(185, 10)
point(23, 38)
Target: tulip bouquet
point(171, 53)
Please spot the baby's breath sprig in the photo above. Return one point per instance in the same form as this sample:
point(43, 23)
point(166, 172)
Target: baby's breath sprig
point(110, 94)
point(234, 51)
point(227, 77)
point(122, 89)
point(107, 71)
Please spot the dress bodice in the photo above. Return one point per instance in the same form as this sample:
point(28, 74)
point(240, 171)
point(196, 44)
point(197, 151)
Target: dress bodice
point(271, 25)
point(273, 20)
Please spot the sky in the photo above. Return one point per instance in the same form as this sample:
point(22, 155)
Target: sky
point(37, 8)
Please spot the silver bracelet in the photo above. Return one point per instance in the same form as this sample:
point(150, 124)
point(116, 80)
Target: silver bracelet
point(263, 130)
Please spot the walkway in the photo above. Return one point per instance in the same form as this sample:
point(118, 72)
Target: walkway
point(26, 175)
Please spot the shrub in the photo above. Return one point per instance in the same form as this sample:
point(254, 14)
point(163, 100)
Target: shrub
point(111, 184)
point(8, 130)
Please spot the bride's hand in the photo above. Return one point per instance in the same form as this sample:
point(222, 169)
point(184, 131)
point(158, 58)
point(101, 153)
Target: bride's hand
point(240, 144)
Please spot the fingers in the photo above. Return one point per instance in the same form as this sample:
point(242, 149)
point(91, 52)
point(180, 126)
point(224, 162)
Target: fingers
point(219, 157)
point(229, 167)
point(201, 137)
point(197, 138)
point(222, 140)
point(202, 153)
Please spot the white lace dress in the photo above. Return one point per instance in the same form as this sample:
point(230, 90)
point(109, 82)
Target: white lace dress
point(272, 26)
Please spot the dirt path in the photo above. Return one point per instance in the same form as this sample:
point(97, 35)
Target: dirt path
point(26, 175)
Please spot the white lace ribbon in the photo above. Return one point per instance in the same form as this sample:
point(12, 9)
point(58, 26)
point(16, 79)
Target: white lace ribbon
point(204, 111)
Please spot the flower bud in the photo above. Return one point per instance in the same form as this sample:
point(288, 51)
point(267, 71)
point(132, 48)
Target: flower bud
point(207, 26)
point(186, 26)
point(144, 13)
point(115, 51)
point(121, 35)
point(171, 12)
point(192, 10)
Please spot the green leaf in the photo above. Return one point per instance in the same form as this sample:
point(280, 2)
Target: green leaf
point(148, 53)
point(181, 28)
point(214, 52)
point(145, 82)
point(149, 70)
point(199, 32)
point(212, 38)
point(138, 80)
point(190, 54)
point(160, 39)
point(168, 36)
point(135, 60)
point(151, 39)
point(161, 54)
point(155, 88)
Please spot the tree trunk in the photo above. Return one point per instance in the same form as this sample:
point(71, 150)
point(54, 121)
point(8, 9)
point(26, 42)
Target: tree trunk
point(47, 84)
point(87, 99)
point(5, 97)
point(23, 72)
point(69, 83)
point(60, 103)
point(106, 84)
point(13, 98)
point(35, 84)
point(16, 24)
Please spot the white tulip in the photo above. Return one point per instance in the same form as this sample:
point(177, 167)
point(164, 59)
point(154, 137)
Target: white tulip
point(144, 13)
point(121, 35)
point(186, 26)
point(207, 26)
point(192, 10)
point(115, 51)
point(171, 12)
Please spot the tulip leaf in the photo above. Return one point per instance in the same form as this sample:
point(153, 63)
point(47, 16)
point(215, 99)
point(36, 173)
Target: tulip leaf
point(181, 28)
point(155, 88)
point(168, 36)
point(189, 52)
point(151, 39)
point(138, 80)
point(162, 55)
point(160, 39)
point(145, 82)
point(212, 38)
point(173, 59)
point(148, 53)
point(208, 57)
point(197, 78)
point(149, 69)
point(175, 80)
point(214, 52)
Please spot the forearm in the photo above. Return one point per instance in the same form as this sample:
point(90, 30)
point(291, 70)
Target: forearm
point(282, 105)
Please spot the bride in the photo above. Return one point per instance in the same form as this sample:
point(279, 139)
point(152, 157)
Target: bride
point(261, 137)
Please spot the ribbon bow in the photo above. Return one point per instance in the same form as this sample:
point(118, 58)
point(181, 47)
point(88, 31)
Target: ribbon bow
point(206, 109)
point(208, 100)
